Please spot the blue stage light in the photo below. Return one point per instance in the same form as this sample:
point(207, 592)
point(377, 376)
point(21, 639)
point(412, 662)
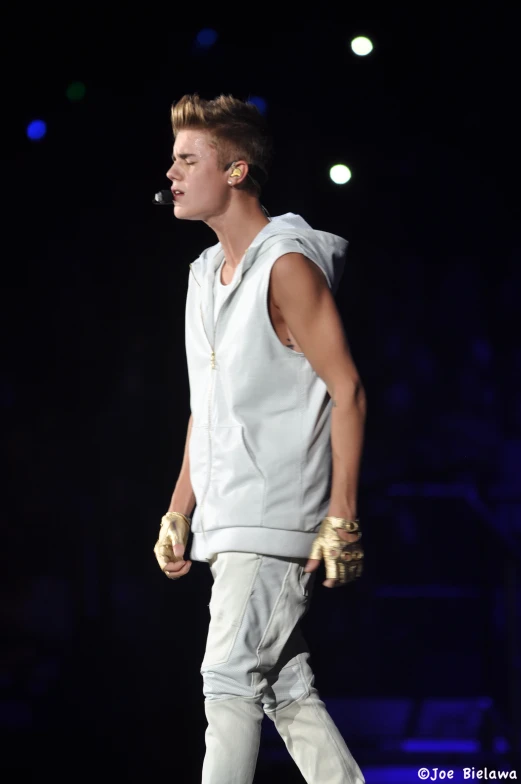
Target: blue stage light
point(36, 129)
point(259, 102)
point(206, 37)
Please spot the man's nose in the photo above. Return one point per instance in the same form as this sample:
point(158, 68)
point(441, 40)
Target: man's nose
point(172, 173)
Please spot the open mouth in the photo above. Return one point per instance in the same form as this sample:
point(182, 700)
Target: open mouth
point(177, 194)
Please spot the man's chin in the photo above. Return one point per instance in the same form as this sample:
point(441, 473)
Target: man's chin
point(181, 213)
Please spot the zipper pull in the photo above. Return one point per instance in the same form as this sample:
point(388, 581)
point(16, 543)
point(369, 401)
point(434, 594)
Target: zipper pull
point(213, 359)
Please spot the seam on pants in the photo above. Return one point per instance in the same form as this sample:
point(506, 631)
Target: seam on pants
point(246, 603)
point(302, 675)
point(270, 619)
point(340, 754)
point(204, 666)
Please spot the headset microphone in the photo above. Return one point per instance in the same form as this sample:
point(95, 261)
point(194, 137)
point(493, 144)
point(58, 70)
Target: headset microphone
point(164, 197)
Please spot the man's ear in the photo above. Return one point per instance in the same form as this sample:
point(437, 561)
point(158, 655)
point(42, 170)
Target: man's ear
point(238, 172)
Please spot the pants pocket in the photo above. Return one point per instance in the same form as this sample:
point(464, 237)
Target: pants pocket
point(306, 581)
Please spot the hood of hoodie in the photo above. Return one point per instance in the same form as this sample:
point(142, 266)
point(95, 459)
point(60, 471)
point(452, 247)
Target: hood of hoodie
point(325, 249)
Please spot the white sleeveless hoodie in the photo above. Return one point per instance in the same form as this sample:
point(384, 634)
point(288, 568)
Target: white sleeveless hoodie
point(260, 448)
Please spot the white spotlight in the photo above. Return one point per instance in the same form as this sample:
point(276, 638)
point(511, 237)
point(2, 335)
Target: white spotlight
point(361, 45)
point(340, 174)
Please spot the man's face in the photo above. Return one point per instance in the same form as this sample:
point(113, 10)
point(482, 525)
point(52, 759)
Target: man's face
point(196, 173)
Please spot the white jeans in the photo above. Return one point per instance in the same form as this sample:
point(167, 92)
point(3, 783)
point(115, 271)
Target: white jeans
point(256, 661)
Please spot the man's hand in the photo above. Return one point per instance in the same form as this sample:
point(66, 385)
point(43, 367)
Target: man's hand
point(170, 546)
point(337, 543)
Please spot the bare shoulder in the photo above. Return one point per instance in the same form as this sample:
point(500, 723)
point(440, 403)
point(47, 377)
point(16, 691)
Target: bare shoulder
point(294, 275)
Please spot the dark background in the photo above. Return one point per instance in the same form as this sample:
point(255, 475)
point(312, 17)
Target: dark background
point(100, 665)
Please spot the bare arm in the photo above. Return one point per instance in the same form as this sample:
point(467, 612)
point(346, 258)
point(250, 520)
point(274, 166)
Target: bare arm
point(173, 533)
point(183, 498)
point(307, 305)
point(347, 437)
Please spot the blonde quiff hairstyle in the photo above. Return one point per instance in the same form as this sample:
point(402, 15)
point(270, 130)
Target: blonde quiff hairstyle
point(237, 129)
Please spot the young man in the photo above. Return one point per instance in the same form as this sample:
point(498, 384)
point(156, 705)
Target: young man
point(273, 446)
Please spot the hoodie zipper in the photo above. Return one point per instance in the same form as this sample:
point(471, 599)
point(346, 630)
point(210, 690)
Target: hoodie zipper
point(210, 392)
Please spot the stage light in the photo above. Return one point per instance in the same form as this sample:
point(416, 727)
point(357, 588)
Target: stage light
point(75, 91)
point(361, 45)
point(36, 130)
point(259, 102)
point(206, 38)
point(340, 174)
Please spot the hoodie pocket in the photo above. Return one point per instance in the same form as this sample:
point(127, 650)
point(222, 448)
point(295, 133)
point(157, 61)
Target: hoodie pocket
point(199, 456)
point(237, 485)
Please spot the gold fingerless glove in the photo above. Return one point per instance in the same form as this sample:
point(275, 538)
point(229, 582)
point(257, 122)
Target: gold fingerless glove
point(343, 560)
point(174, 529)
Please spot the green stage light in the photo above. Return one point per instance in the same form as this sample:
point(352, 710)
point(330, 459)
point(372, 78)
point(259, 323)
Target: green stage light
point(75, 91)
